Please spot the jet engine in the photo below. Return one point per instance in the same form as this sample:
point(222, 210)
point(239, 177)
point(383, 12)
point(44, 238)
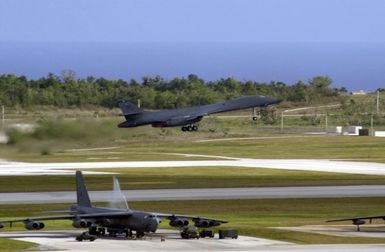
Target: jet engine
point(32, 225)
point(358, 222)
point(182, 121)
point(81, 223)
point(179, 222)
point(202, 223)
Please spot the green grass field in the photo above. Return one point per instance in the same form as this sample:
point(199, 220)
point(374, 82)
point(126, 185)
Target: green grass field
point(328, 147)
point(9, 245)
point(56, 142)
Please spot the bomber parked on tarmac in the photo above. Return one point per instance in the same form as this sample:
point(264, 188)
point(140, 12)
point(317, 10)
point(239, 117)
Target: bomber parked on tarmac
point(114, 220)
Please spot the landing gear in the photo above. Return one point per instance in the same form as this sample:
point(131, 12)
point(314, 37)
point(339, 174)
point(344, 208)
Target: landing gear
point(190, 128)
point(128, 234)
point(139, 234)
point(254, 117)
point(92, 231)
point(112, 233)
point(101, 231)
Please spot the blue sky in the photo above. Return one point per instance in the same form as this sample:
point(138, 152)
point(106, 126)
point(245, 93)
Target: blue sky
point(193, 20)
point(181, 22)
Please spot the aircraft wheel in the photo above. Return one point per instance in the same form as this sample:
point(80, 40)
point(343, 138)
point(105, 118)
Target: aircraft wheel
point(184, 128)
point(101, 231)
point(254, 118)
point(139, 234)
point(189, 128)
point(194, 128)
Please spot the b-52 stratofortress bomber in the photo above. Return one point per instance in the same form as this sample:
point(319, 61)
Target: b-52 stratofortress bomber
point(360, 220)
point(187, 117)
point(114, 220)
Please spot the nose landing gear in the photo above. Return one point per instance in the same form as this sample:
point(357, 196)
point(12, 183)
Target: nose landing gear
point(254, 114)
point(190, 127)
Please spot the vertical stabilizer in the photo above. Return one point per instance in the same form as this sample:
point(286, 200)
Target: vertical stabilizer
point(118, 200)
point(128, 108)
point(82, 194)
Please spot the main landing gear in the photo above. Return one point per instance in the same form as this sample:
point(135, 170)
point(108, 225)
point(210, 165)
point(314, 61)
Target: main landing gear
point(97, 231)
point(190, 127)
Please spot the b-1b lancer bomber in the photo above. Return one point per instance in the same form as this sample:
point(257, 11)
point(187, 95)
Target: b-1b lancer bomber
point(187, 117)
point(117, 219)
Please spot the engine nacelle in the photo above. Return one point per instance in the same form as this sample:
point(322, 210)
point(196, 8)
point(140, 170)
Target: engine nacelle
point(81, 224)
point(32, 225)
point(179, 222)
point(358, 222)
point(182, 121)
point(206, 223)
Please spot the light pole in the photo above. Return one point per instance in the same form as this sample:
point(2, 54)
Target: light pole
point(378, 102)
point(282, 121)
point(2, 116)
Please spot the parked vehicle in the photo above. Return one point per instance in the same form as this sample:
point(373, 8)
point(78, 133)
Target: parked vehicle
point(228, 233)
point(206, 233)
point(189, 233)
point(86, 236)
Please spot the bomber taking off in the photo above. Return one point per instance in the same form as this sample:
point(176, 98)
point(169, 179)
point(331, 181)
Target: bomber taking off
point(186, 117)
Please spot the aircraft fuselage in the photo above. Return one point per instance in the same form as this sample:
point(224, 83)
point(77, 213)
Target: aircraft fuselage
point(185, 116)
point(137, 221)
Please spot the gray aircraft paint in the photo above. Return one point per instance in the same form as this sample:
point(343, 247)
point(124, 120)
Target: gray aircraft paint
point(84, 215)
point(178, 117)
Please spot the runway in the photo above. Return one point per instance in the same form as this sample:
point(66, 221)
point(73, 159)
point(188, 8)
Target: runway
point(323, 165)
point(202, 194)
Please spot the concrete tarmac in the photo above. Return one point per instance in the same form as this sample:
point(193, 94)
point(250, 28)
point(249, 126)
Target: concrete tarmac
point(65, 241)
point(202, 194)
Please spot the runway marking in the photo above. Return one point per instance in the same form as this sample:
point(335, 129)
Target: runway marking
point(251, 138)
point(93, 149)
point(196, 155)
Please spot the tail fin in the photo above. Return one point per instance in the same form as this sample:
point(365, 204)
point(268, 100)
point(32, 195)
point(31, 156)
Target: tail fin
point(128, 108)
point(83, 199)
point(118, 199)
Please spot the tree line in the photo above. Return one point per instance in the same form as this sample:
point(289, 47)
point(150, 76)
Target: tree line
point(154, 92)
